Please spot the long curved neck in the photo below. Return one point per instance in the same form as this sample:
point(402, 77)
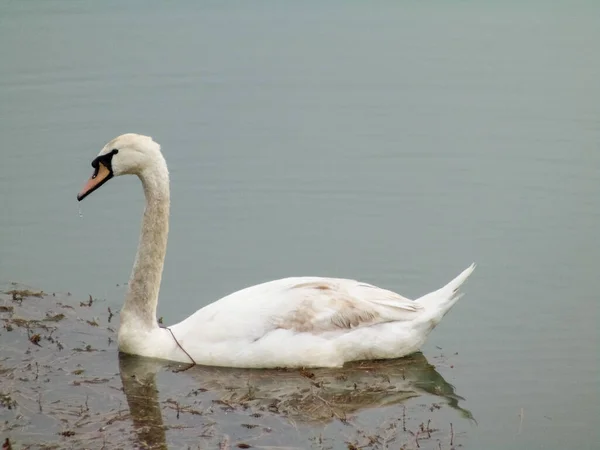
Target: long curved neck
point(139, 310)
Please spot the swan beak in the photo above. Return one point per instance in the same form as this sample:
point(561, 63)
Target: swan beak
point(100, 176)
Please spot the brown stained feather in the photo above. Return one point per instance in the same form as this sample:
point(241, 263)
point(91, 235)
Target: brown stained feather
point(300, 321)
point(350, 316)
point(320, 285)
point(347, 314)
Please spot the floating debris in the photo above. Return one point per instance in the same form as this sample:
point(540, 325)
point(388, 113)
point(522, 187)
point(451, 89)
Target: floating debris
point(92, 396)
point(35, 339)
point(6, 401)
point(20, 294)
point(54, 318)
point(88, 303)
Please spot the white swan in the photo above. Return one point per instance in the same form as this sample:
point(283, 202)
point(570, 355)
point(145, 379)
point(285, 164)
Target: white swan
point(293, 322)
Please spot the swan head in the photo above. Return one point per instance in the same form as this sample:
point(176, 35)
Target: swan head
point(127, 154)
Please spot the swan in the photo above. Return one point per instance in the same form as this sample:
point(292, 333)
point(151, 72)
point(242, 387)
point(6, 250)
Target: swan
point(291, 322)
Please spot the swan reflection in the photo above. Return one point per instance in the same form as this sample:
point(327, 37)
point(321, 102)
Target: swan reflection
point(314, 397)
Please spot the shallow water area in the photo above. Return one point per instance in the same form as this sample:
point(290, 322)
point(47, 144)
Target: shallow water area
point(64, 385)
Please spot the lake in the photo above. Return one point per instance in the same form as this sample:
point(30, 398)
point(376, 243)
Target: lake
point(392, 142)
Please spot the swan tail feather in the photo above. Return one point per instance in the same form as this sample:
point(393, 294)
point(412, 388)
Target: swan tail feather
point(441, 301)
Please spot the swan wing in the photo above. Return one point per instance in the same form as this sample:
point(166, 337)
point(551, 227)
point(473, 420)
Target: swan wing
point(301, 304)
point(329, 304)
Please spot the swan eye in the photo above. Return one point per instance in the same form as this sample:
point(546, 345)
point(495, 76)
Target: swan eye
point(104, 159)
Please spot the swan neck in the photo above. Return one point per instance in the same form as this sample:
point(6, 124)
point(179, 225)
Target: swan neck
point(139, 310)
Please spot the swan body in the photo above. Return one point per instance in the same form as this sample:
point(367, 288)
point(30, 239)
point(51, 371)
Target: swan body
point(292, 322)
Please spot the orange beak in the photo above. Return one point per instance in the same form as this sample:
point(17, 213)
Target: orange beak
point(101, 175)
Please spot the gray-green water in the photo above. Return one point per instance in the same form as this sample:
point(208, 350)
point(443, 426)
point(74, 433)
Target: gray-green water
point(394, 142)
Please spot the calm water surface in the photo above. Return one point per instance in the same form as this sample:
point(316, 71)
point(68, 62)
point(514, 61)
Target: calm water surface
point(395, 143)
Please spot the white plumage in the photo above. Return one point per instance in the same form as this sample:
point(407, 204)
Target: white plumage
point(292, 322)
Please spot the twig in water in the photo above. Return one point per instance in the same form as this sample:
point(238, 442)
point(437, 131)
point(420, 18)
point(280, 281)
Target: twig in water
point(182, 349)
point(184, 368)
point(451, 435)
